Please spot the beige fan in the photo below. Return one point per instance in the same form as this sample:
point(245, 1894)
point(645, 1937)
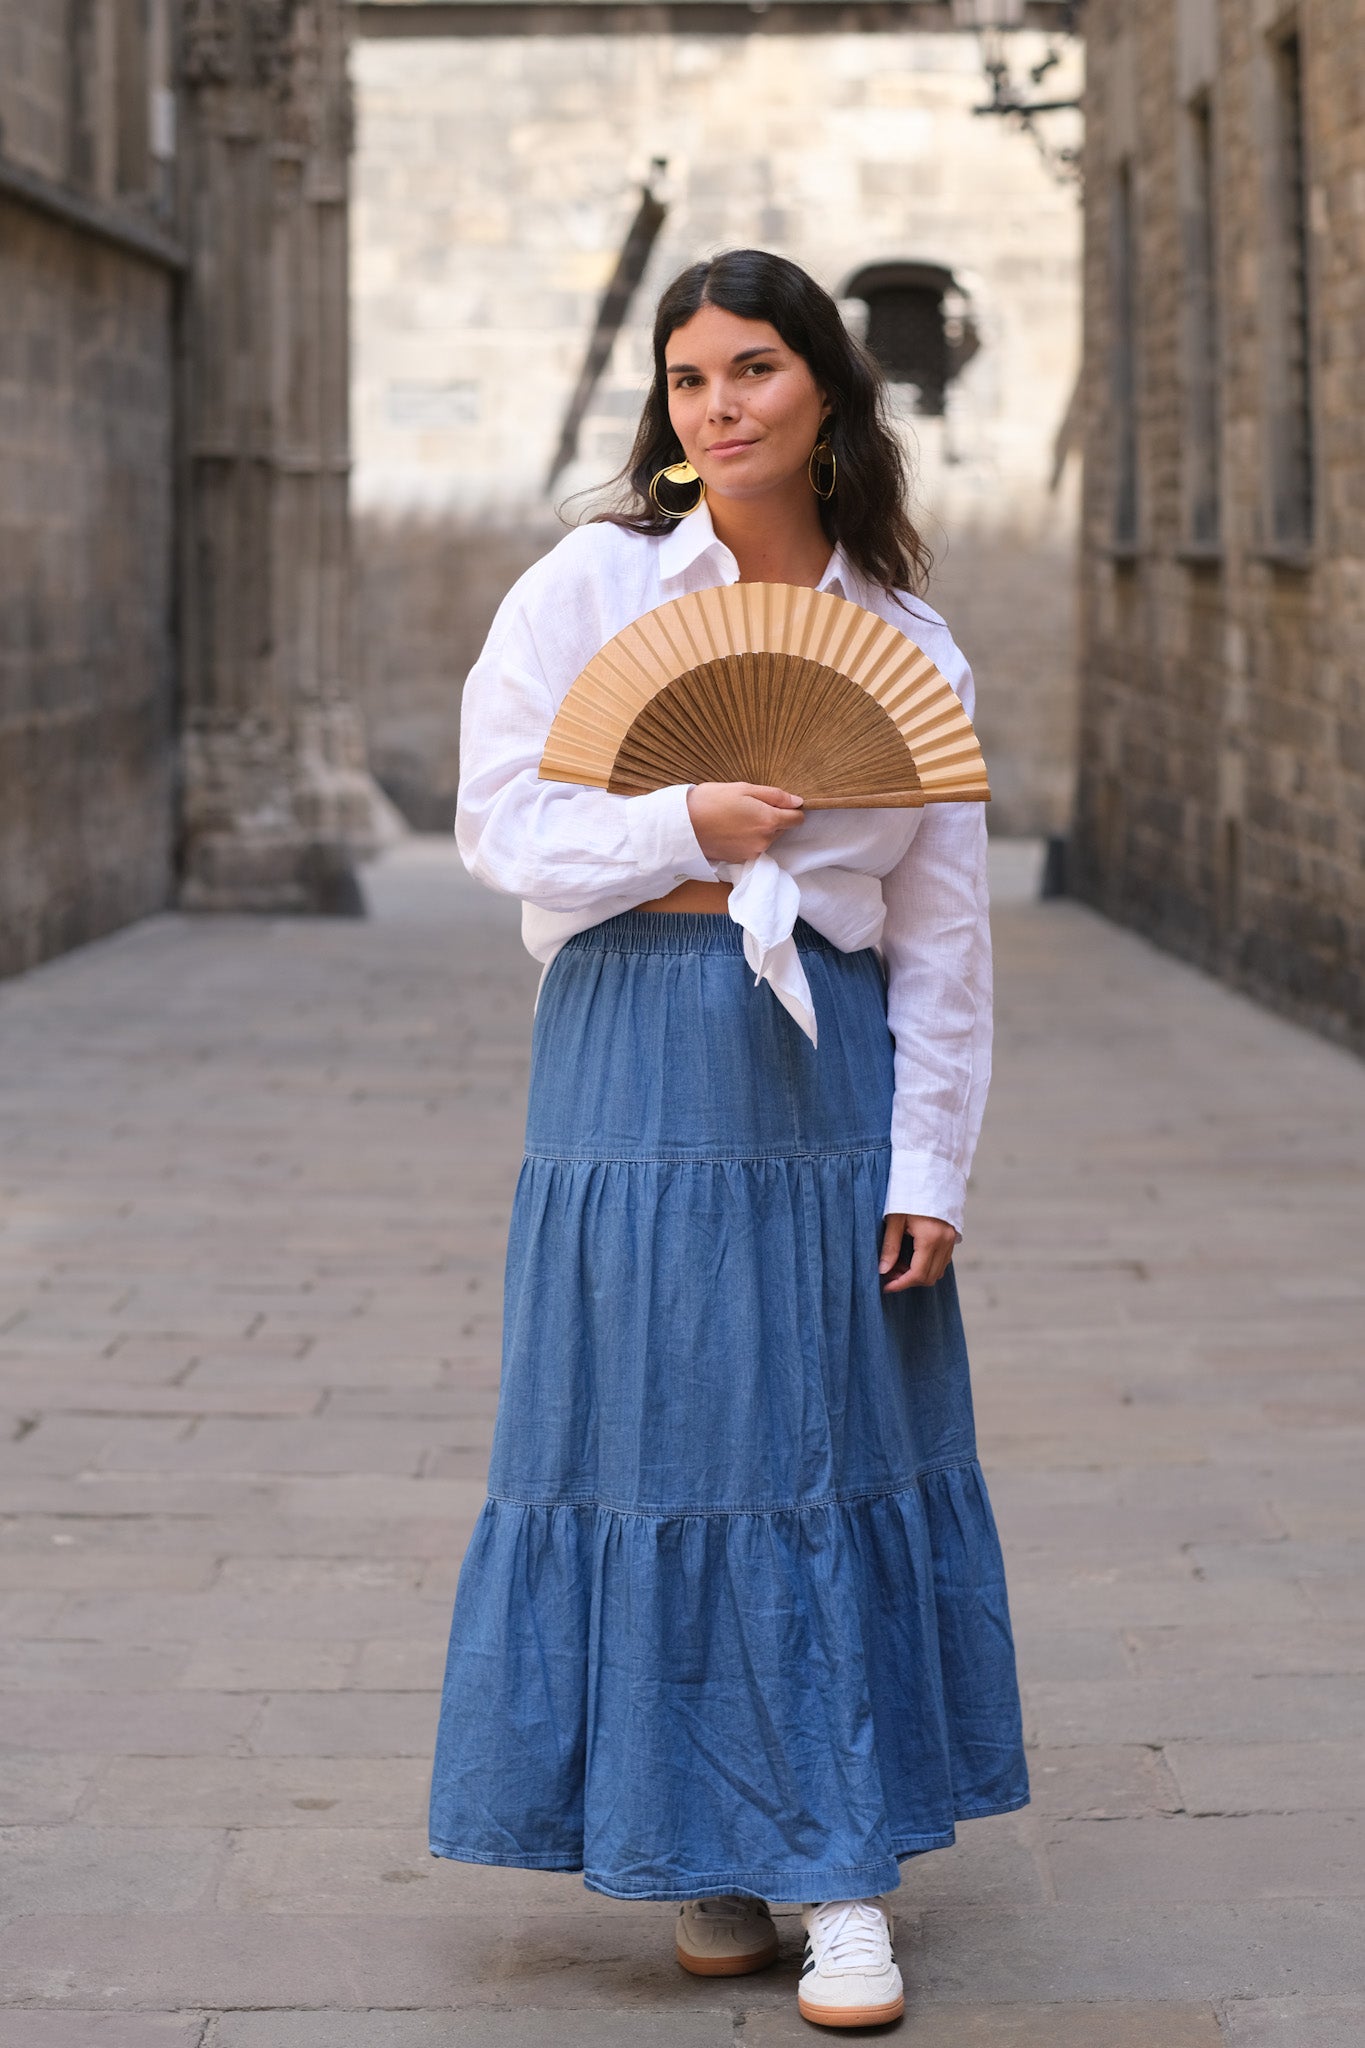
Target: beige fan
point(769, 683)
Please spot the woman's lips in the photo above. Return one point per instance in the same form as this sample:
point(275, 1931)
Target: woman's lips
point(728, 447)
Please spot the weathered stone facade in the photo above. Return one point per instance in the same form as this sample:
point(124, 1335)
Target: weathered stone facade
point(495, 178)
point(277, 796)
point(1222, 785)
point(177, 716)
point(176, 713)
point(86, 403)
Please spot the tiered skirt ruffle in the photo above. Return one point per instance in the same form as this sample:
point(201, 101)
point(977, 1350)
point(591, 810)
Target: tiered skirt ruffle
point(734, 1617)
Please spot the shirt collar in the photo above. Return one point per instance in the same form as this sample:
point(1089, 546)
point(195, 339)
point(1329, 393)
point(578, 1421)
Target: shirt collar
point(688, 541)
point(695, 536)
point(840, 577)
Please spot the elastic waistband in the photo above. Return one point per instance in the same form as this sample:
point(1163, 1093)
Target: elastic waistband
point(680, 931)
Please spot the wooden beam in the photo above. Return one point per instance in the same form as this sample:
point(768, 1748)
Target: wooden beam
point(417, 18)
point(630, 268)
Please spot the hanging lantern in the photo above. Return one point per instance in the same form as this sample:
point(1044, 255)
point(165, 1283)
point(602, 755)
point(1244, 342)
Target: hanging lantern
point(993, 21)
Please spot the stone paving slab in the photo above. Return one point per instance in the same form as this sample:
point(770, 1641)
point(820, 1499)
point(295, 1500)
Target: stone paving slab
point(78, 1571)
point(1019, 2026)
point(1249, 1856)
point(1295, 2023)
point(39, 1790)
point(24, 1392)
point(383, 1724)
point(1304, 1776)
point(1266, 1708)
point(248, 1792)
point(101, 2030)
point(1310, 1648)
point(1112, 1952)
point(528, 2028)
point(224, 1612)
point(108, 1870)
point(254, 1179)
point(1108, 1782)
point(124, 1724)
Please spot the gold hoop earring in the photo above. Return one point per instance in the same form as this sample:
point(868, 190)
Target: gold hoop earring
point(680, 474)
point(821, 454)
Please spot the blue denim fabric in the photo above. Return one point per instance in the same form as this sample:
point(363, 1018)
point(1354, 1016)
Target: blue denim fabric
point(734, 1616)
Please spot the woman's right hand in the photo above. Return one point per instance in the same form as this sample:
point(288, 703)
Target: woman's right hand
point(736, 821)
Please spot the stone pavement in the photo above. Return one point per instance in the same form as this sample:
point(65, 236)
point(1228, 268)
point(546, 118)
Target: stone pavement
point(253, 1181)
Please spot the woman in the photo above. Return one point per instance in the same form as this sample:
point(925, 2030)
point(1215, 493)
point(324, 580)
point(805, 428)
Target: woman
point(732, 1627)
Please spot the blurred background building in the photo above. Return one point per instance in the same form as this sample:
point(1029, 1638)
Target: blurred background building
point(1222, 787)
point(498, 178)
point(177, 714)
point(192, 613)
point(90, 263)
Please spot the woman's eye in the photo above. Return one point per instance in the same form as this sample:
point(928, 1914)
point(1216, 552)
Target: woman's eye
point(762, 368)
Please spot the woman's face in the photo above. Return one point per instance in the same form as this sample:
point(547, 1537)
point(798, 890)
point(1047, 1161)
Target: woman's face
point(745, 407)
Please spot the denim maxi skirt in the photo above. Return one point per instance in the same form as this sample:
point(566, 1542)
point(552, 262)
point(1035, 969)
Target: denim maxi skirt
point(733, 1618)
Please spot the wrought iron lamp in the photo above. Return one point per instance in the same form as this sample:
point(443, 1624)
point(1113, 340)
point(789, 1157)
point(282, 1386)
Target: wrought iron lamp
point(993, 20)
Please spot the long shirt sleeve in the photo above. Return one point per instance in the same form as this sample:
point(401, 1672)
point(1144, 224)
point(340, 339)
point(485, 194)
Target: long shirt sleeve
point(556, 846)
point(937, 946)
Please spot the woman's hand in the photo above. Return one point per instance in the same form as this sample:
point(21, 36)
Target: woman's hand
point(930, 1240)
point(739, 820)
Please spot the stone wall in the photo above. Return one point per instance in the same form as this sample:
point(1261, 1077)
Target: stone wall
point(1222, 787)
point(428, 584)
point(177, 717)
point(494, 181)
point(86, 382)
point(277, 801)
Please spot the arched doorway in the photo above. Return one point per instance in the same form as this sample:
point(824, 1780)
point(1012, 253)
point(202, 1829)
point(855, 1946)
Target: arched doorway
point(919, 327)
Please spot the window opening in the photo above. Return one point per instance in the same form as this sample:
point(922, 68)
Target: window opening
point(1230, 876)
point(1123, 360)
point(132, 97)
point(1289, 384)
point(919, 330)
point(1201, 451)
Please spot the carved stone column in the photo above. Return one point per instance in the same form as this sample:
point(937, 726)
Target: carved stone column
point(276, 798)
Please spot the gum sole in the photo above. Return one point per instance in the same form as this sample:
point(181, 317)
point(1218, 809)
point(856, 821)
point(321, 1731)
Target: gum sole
point(850, 2015)
point(727, 1966)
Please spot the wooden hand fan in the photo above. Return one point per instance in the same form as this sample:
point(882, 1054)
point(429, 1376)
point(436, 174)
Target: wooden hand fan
point(768, 683)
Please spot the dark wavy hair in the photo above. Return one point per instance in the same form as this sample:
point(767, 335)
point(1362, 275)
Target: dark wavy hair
point(868, 512)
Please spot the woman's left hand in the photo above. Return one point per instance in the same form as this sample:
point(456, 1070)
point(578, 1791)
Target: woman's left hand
point(916, 1251)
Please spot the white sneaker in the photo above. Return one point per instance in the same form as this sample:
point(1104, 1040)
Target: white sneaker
point(725, 1937)
point(849, 1977)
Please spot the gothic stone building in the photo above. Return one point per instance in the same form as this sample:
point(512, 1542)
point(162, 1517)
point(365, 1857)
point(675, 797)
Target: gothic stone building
point(176, 719)
point(179, 715)
point(1222, 785)
point(498, 176)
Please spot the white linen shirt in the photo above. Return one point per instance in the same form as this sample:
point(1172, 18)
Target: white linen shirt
point(910, 882)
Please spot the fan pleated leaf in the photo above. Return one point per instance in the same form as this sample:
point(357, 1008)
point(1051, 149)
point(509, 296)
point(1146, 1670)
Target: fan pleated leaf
point(767, 683)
